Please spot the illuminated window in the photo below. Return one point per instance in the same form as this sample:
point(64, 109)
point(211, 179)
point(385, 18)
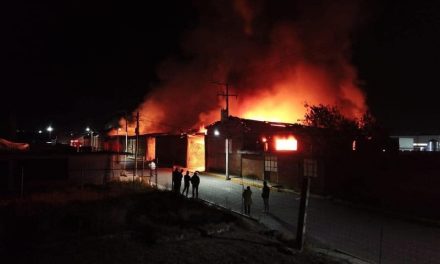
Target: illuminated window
point(270, 163)
point(286, 143)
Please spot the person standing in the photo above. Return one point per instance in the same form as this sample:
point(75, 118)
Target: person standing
point(173, 179)
point(178, 183)
point(195, 181)
point(265, 195)
point(247, 200)
point(186, 180)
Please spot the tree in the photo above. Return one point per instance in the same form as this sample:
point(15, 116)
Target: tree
point(329, 117)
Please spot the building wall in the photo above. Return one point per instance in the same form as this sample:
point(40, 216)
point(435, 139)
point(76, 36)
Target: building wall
point(253, 166)
point(41, 171)
point(94, 168)
point(216, 155)
point(171, 150)
point(215, 158)
point(289, 171)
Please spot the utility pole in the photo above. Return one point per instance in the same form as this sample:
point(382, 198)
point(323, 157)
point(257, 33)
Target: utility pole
point(226, 94)
point(126, 145)
point(310, 170)
point(126, 135)
point(137, 145)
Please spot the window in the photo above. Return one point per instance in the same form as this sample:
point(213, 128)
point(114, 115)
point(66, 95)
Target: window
point(270, 163)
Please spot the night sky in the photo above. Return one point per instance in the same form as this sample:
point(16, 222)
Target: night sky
point(83, 63)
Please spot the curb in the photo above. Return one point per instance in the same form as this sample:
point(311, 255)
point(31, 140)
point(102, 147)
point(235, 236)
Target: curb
point(329, 252)
point(389, 213)
point(249, 182)
point(341, 255)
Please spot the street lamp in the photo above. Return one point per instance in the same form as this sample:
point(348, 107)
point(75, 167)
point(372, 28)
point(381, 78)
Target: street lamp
point(91, 137)
point(227, 142)
point(50, 129)
point(117, 144)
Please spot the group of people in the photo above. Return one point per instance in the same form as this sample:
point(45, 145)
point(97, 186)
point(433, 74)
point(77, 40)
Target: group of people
point(247, 198)
point(177, 177)
point(194, 180)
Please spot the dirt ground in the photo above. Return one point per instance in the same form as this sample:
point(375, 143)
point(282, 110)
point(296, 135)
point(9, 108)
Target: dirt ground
point(122, 223)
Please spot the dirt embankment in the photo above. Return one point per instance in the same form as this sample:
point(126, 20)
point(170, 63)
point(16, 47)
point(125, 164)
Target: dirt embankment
point(122, 224)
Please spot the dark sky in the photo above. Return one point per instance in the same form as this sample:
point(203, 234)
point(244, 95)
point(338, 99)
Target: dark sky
point(397, 55)
point(79, 63)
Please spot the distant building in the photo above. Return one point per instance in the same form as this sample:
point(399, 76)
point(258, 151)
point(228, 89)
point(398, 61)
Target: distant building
point(418, 142)
point(184, 150)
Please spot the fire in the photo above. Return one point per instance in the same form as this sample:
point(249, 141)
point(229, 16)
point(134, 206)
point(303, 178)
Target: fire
point(275, 69)
point(284, 101)
point(151, 148)
point(196, 152)
point(202, 129)
point(286, 143)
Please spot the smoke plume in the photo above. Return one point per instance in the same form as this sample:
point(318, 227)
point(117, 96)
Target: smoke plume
point(275, 55)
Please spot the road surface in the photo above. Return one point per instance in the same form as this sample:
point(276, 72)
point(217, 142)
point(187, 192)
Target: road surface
point(370, 236)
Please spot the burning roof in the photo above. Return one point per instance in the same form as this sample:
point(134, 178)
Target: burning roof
point(276, 55)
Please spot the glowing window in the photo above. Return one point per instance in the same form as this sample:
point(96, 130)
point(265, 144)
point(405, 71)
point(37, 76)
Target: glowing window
point(286, 143)
point(270, 163)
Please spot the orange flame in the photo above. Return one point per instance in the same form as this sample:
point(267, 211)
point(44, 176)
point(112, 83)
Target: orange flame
point(286, 66)
point(286, 143)
point(196, 152)
point(284, 101)
point(202, 129)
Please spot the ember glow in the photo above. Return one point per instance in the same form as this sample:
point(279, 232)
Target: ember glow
point(202, 129)
point(286, 143)
point(151, 148)
point(196, 153)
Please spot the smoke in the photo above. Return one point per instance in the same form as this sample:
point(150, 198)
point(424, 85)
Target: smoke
point(276, 55)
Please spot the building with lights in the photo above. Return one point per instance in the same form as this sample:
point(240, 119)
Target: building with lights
point(428, 143)
point(269, 151)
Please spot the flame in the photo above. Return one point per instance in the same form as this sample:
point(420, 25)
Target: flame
point(202, 129)
point(151, 148)
point(275, 68)
point(284, 101)
point(196, 152)
point(286, 143)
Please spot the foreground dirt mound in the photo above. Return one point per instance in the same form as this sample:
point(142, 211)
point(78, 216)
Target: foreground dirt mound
point(122, 224)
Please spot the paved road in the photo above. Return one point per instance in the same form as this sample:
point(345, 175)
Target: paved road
point(368, 235)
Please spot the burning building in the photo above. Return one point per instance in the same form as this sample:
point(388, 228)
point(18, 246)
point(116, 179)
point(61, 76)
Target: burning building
point(276, 56)
point(167, 149)
point(256, 149)
point(272, 151)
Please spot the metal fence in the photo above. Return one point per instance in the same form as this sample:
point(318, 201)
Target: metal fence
point(366, 235)
point(374, 237)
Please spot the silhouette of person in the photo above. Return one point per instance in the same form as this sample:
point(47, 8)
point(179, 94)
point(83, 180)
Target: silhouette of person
point(265, 195)
point(247, 199)
point(178, 182)
point(186, 180)
point(173, 179)
point(195, 181)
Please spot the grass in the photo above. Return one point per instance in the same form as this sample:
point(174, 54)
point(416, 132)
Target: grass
point(132, 224)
